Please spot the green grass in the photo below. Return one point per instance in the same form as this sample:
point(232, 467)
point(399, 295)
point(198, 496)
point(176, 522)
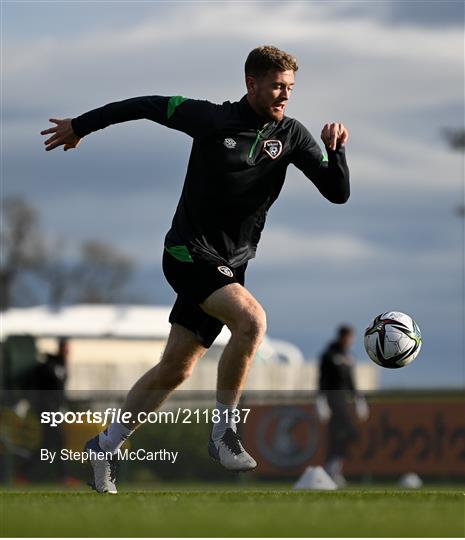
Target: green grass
point(249, 512)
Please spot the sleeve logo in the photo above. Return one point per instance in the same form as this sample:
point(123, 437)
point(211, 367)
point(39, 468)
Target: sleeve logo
point(229, 143)
point(273, 148)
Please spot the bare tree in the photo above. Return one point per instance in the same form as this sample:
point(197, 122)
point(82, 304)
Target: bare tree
point(58, 273)
point(456, 140)
point(22, 245)
point(98, 276)
point(101, 274)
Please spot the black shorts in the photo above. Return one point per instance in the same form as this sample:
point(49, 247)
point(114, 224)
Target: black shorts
point(194, 282)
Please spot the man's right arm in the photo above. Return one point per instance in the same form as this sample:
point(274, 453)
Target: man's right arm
point(321, 400)
point(193, 117)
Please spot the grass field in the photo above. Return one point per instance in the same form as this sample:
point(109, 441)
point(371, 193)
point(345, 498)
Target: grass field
point(248, 512)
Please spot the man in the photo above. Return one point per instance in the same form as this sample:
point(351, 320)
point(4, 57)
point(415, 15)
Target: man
point(236, 169)
point(49, 385)
point(336, 385)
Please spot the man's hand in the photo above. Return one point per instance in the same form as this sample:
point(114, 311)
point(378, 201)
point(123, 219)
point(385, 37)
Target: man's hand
point(322, 408)
point(361, 408)
point(334, 134)
point(63, 134)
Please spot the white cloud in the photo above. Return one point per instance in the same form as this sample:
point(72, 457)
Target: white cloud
point(389, 161)
point(360, 55)
point(298, 22)
point(286, 246)
point(354, 69)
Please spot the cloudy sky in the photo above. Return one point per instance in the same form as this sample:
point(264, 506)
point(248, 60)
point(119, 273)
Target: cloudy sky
point(391, 71)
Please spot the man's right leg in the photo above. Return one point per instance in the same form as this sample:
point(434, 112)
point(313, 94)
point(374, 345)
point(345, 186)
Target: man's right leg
point(182, 351)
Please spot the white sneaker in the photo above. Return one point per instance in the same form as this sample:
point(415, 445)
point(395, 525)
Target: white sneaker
point(230, 453)
point(104, 470)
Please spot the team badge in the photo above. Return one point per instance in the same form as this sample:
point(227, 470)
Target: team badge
point(225, 270)
point(273, 148)
point(229, 143)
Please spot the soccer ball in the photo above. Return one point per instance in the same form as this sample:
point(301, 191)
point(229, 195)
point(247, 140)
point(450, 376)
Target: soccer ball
point(393, 340)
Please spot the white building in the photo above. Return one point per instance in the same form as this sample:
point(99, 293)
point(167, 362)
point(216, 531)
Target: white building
point(111, 346)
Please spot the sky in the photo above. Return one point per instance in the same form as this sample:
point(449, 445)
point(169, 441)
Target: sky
point(392, 72)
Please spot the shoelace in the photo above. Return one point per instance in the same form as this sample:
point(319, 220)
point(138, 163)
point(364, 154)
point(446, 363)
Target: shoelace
point(232, 441)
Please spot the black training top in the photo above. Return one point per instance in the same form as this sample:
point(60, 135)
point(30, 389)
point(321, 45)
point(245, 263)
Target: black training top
point(236, 170)
point(336, 369)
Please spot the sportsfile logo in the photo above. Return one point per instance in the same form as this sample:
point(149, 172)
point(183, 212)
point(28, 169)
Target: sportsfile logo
point(111, 415)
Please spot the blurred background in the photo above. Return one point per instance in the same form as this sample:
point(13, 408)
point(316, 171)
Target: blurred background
point(82, 231)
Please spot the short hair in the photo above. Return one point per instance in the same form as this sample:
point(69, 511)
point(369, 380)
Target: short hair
point(265, 58)
point(345, 330)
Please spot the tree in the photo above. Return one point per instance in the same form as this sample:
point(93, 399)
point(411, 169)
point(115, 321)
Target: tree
point(101, 274)
point(456, 139)
point(22, 245)
point(29, 260)
point(57, 273)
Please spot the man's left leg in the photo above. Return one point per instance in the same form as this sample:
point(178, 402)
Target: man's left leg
point(239, 310)
point(181, 353)
point(342, 432)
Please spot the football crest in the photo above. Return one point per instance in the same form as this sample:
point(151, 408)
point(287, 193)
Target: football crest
point(273, 148)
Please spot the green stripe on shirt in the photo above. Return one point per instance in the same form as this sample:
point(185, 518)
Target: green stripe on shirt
point(173, 103)
point(180, 252)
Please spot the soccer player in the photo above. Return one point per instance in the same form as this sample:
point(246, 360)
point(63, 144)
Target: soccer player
point(238, 162)
point(336, 386)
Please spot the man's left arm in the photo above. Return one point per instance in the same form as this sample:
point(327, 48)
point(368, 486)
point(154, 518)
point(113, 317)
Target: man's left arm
point(331, 175)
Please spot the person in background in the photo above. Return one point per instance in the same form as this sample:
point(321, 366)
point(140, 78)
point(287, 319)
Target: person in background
point(53, 373)
point(336, 389)
point(50, 384)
